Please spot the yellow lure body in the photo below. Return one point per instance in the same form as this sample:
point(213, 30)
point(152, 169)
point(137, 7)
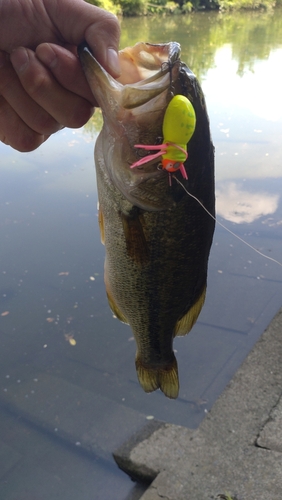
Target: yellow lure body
point(178, 127)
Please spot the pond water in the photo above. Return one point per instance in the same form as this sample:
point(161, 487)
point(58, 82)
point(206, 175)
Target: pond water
point(57, 334)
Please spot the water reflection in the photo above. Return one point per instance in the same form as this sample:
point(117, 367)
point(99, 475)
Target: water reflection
point(238, 205)
point(48, 224)
point(252, 36)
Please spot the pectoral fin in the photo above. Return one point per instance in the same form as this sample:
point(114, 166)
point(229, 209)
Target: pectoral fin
point(136, 244)
point(185, 324)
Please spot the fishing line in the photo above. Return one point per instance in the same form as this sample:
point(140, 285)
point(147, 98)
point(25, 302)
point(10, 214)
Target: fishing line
point(226, 228)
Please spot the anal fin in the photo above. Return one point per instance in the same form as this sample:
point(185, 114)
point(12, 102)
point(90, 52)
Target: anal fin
point(185, 324)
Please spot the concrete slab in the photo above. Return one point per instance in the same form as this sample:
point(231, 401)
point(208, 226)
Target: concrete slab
point(223, 454)
point(270, 436)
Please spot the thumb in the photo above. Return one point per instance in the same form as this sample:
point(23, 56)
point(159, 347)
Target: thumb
point(77, 20)
point(103, 39)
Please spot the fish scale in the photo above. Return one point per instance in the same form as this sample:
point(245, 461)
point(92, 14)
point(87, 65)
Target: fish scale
point(157, 238)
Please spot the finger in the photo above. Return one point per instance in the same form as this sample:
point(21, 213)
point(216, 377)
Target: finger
point(14, 132)
point(66, 68)
point(29, 111)
point(64, 106)
point(98, 27)
point(103, 38)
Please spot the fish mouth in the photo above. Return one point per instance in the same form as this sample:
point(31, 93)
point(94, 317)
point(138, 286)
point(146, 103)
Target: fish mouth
point(133, 108)
point(146, 71)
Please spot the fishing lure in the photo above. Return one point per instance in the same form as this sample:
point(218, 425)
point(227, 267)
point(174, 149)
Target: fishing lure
point(178, 127)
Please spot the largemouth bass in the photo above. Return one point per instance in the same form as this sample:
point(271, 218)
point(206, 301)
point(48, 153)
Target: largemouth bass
point(157, 238)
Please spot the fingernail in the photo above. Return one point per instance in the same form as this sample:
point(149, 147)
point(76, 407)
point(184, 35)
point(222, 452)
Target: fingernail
point(19, 59)
point(113, 62)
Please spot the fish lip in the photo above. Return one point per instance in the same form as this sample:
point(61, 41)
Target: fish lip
point(83, 46)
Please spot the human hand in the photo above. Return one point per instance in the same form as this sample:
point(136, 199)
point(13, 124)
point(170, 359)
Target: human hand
point(35, 102)
point(45, 90)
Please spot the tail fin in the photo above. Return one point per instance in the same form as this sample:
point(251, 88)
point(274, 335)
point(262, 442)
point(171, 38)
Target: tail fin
point(165, 378)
